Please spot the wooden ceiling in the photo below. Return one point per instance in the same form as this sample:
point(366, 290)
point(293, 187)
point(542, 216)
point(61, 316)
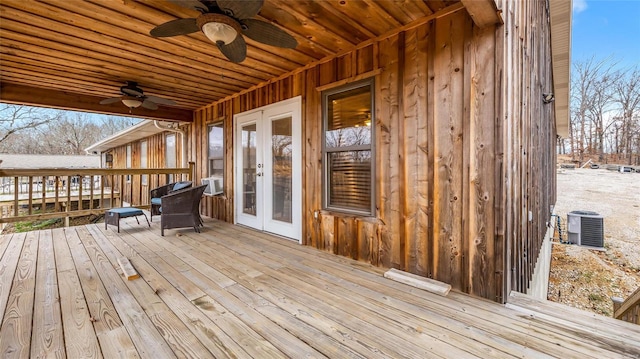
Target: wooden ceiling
point(72, 54)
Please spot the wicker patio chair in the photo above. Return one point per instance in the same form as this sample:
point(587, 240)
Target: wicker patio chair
point(157, 193)
point(181, 209)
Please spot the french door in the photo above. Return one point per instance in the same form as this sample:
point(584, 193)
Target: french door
point(268, 164)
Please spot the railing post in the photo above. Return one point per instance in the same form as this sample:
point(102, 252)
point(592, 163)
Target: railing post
point(192, 171)
point(617, 303)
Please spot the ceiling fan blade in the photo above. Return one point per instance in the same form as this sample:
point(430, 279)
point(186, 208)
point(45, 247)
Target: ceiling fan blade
point(240, 9)
point(268, 33)
point(160, 100)
point(175, 27)
point(148, 104)
point(236, 51)
point(191, 4)
point(108, 101)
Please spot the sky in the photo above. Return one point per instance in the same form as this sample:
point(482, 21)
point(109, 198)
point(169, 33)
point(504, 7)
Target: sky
point(603, 28)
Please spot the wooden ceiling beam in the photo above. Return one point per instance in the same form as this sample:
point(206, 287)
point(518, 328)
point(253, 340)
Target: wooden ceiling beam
point(49, 30)
point(10, 62)
point(20, 94)
point(51, 62)
point(483, 12)
point(62, 83)
point(325, 39)
point(128, 69)
point(411, 11)
point(149, 13)
point(108, 15)
point(193, 47)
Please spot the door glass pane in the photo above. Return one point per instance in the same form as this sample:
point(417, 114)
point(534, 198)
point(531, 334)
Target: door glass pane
point(281, 149)
point(249, 169)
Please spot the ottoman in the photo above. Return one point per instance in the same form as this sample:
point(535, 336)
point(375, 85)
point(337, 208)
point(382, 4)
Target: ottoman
point(112, 216)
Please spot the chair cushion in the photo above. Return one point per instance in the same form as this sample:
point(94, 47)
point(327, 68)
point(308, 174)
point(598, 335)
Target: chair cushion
point(157, 201)
point(181, 185)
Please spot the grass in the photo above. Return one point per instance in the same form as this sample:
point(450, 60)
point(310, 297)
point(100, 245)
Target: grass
point(27, 226)
point(595, 297)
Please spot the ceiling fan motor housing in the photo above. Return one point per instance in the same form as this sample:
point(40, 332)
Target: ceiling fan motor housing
point(218, 27)
point(132, 89)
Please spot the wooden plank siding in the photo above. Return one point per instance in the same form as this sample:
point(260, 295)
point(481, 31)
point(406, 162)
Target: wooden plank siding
point(464, 149)
point(133, 191)
point(528, 174)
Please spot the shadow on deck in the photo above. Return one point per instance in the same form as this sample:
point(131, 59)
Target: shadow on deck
point(233, 292)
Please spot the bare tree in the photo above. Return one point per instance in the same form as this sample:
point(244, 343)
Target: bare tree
point(16, 119)
point(601, 101)
point(627, 92)
point(590, 96)
point(69, 135)
point(32, 130)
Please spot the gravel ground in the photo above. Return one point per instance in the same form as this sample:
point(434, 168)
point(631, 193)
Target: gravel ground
point(586, 278)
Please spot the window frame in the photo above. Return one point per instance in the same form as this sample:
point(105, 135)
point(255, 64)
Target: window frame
point(219, 124)
point(369, 82)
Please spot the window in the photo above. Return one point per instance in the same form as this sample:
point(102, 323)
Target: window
point(143, 160)
point(170, 151)
point(216, 149)
point(128, 164)
point(348, 148)
point(170, 160)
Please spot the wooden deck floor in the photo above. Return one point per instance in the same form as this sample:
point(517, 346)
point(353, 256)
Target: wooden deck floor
point(233, 292)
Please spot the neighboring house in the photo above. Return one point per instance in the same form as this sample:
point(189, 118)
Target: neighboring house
point(147, 144)
point(48, 161)
point(10, 161)
point(430, 150)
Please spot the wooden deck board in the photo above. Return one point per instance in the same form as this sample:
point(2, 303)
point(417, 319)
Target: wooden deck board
point(180, 281)
point(112, 337)
point(175, 333)
point(15, 333)
point(47, 336)
point(213, 336)
point(550, 339)
point(145, 336)
point(8, 265)
point(261, 255)
point(80, 336)
point(237, 293)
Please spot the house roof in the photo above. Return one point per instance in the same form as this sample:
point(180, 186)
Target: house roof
point(560, 17)
point(134, 133)
point(48, 161)
point(73, 54)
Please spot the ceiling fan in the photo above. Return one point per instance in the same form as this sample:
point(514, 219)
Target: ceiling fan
point(133, 97)
point(224, 22)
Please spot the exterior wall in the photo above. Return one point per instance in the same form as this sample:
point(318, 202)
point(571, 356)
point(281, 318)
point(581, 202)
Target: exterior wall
point(464, 150)
point(134, 192)
point(529, 186)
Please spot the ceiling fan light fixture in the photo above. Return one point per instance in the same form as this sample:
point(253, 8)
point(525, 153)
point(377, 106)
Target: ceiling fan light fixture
point(131, 102)
point(218, 28)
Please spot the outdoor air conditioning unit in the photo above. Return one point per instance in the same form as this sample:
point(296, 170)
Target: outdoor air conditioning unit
point(214, 185)
point(585, 228)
